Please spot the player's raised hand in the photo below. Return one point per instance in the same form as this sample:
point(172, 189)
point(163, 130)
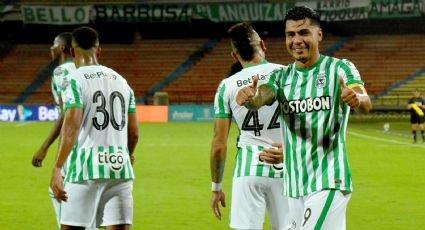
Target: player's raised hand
point(272, 155)
point(246, 93)
point(217, 197)
point(348, 95)
point(56, 183)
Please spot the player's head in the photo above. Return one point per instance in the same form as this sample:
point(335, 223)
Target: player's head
point(61, 45)
point(245, 41)
point(85, 46)
point(85, 38)
point(302, 33)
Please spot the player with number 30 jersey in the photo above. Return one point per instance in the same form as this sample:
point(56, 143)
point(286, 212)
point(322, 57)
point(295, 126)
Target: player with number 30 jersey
point(101, 149)
point(100, 133)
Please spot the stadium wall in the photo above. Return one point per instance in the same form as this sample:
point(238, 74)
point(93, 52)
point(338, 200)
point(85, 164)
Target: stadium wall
point(145, 113)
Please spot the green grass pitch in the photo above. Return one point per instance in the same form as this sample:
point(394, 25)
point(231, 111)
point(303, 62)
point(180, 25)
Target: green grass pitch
point(172, 188)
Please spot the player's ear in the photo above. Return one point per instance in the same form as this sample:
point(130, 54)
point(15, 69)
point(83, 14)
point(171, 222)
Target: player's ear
point(320, 34)
point(98, 51)
point(234, 56)
point(263, 46)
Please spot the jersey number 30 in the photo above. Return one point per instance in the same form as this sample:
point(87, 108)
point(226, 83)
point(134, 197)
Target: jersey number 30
point(98, 96)
point(252, 123)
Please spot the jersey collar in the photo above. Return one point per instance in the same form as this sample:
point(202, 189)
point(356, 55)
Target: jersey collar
point(261, 63)
point(312, 66)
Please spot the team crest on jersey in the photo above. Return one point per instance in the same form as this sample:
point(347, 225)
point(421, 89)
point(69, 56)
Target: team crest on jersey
point(58, 71)
point(321, 80)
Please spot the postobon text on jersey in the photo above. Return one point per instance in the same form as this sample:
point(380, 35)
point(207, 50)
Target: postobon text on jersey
point(306, 105)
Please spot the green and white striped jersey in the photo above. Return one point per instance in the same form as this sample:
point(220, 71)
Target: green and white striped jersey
point(258, 129)
point(314, 124)
point(101, 150)
point(59, 79)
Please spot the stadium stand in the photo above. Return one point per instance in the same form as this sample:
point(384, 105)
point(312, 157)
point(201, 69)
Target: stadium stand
point(384, 59)
point(383, 64)
point(19, 69)
point(399, 96)
point(143, 63)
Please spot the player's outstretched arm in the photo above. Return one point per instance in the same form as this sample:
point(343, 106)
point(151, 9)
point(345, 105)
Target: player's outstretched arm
point(253, 97)
point(133, 134)
point(39, 156)
point(356, 97)
point(217, 163)
point(70, 129)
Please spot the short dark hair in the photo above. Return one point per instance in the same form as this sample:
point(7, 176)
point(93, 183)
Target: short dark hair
point(242, 36)
point(85, 37)
point(65, 39)
point(302, 12)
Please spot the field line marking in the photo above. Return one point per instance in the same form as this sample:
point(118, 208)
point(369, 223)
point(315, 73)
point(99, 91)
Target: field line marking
point(24, 123)
point(384, 140)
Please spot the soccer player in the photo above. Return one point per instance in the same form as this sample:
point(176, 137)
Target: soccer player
point(256, 186)
point(60, 52)
point(315, 94)
point(100, 132)
point(416, 106)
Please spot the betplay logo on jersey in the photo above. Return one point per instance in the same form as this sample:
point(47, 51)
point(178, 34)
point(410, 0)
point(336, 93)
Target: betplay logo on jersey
point(114, 160)
point(250, 80)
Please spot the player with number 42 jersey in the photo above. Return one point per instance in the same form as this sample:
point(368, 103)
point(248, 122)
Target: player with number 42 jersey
point(105, 112)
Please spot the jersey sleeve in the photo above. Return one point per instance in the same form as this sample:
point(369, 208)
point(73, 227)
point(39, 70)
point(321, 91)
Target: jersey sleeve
point(273, 81)
point(132, 102)
point(54, 91)
point(72, 94)
point(58, 78)
point(349, 73)
point(221, 102)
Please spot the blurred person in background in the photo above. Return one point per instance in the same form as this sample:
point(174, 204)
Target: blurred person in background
point(416, 106)
point(60, 52)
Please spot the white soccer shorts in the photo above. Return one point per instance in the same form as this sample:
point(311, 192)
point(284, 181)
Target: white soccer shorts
point(56, 205)
point(251, 196)
point(104, 202)
point(320, 210)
